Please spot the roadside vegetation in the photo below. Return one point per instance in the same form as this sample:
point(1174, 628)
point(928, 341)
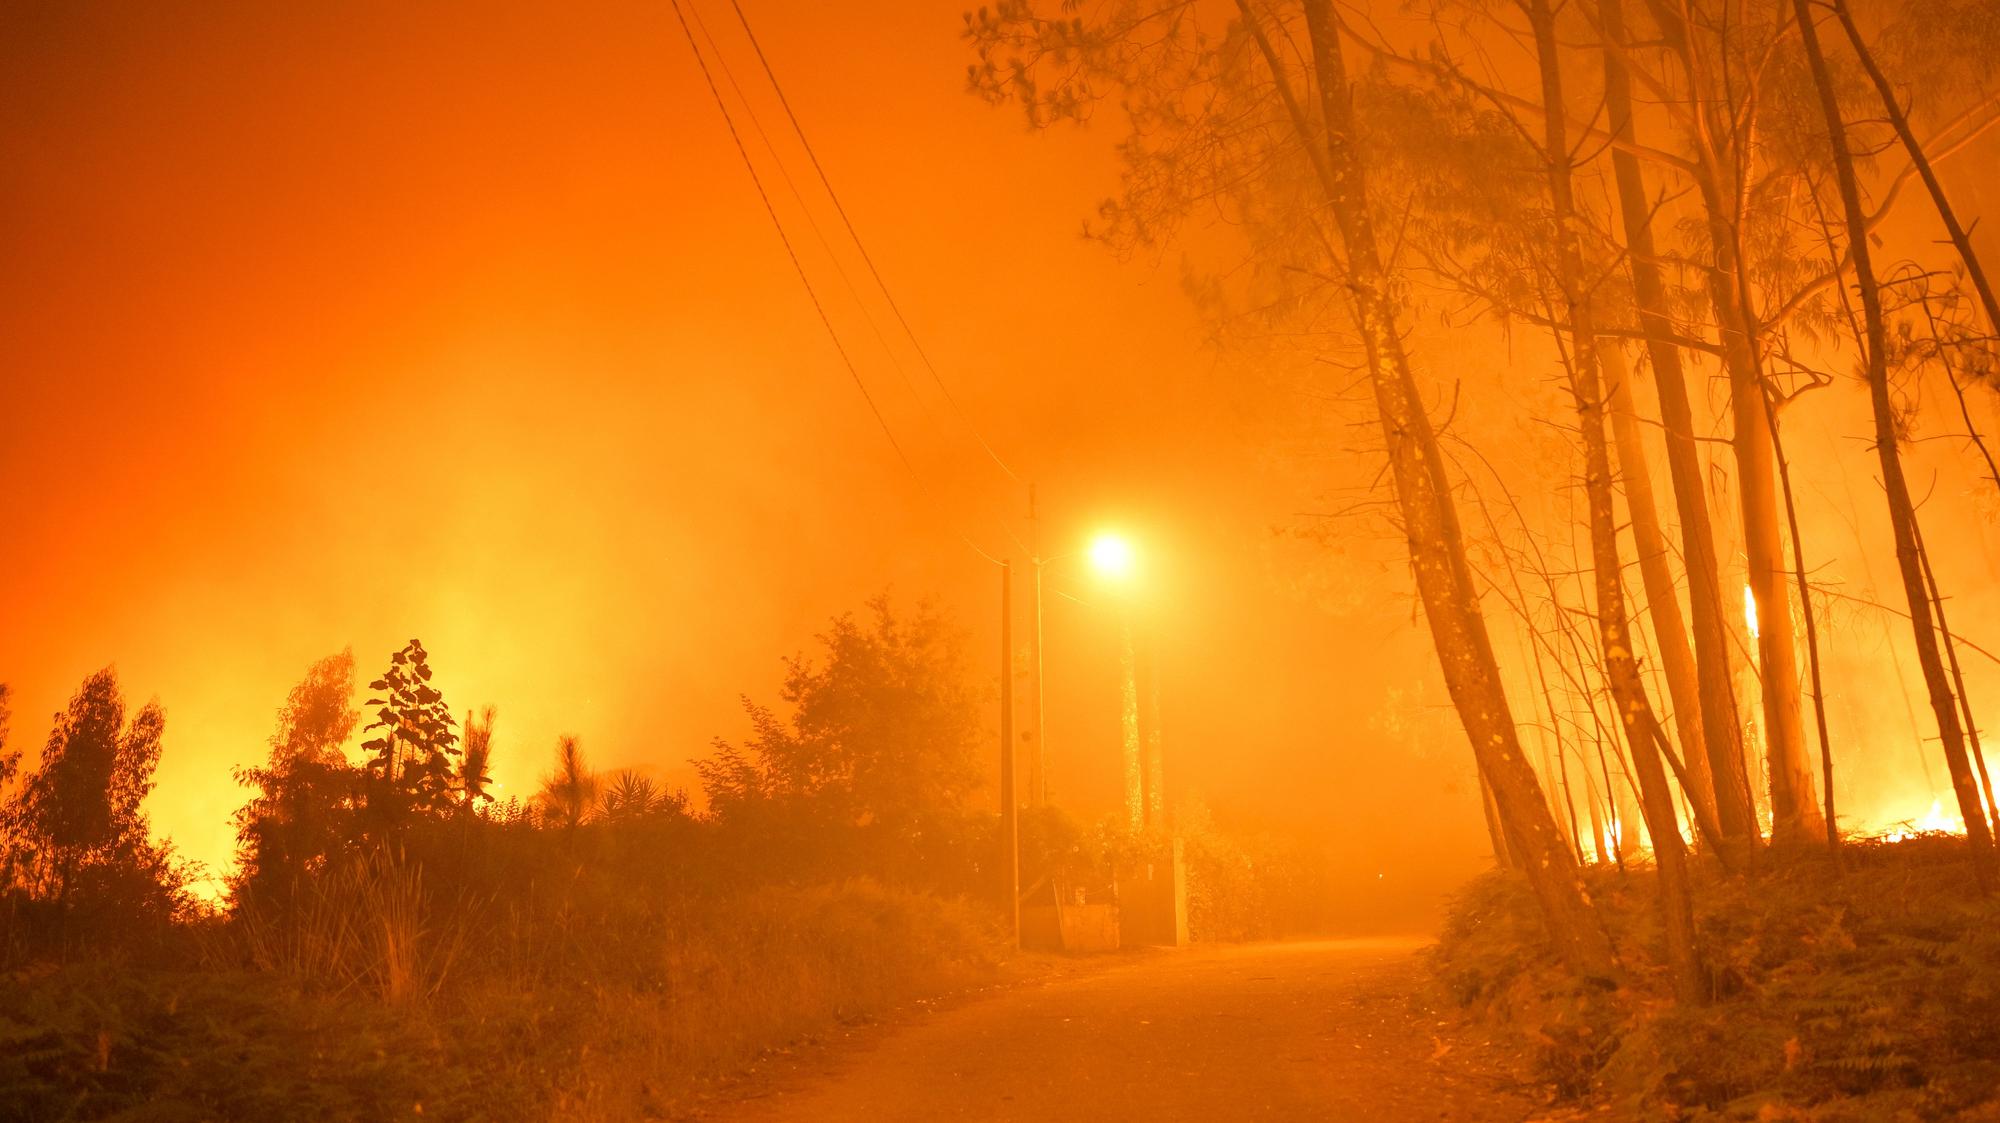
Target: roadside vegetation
point(389, 1003)
point(1864, 991)
point(397, 941)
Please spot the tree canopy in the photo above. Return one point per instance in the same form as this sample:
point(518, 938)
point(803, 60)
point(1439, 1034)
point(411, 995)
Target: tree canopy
point(880, 729)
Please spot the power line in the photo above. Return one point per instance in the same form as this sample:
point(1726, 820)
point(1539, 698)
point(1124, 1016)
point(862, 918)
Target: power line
point(834, 257)
point(764, 196)
point(859, 245)
point(819, 235)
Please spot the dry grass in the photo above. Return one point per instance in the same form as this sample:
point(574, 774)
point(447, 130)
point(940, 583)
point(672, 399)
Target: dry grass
point(380, 1001)
point(362, 926)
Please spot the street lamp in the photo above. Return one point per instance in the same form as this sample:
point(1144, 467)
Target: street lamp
point(1153, 904)
point(1113, 557)
point(1115, 560)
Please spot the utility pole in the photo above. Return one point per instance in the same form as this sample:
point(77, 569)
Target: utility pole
point(1156, 779)
point(1038, 782)
point(1133, 755)
point(1010, 823)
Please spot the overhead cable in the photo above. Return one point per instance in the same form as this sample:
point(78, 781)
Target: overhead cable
point(791, 253)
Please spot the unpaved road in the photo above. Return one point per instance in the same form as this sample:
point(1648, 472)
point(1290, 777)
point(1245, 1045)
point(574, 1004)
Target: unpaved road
point(1308, 1031)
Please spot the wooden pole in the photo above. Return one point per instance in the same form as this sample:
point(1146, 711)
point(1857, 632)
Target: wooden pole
point(1038, 739)
point(1010, 820)
point(1132, 757)
point(1156, 777)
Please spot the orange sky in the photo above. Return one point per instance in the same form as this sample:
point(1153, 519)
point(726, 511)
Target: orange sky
point(324, 327)
point(332, 325)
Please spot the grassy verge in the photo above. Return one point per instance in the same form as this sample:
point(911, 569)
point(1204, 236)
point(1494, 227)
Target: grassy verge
point(1868, 992)
point(451, 1014)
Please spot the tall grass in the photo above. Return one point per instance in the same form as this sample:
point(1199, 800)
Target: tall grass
point(777, 966)
point(365, 924)
point(377, 995)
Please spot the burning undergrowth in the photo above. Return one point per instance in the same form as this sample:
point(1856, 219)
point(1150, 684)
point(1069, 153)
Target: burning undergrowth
point(1867, 991)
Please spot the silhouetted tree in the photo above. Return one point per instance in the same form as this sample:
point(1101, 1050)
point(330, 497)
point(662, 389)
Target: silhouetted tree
point(409, 767)
point(628, 796)
point(474, 766)
point(512, 811)
point(10, 766)
point(882, 731)
point(307, 793)
point(79, 819)
point(868, 767)
point(569, 791)
point(63, 812)
point(10, 759)
point(132, 772)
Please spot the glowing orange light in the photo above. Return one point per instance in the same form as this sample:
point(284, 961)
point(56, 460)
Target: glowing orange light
point(1750, 611)
point(1113, 556)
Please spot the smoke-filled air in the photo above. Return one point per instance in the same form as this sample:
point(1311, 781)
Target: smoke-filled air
point(1130, 560)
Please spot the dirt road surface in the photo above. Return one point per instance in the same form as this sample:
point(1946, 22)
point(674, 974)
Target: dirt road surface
point(1306, 1031)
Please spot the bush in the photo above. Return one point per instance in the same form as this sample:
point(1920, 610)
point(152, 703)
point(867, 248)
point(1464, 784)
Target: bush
point(1871, 991)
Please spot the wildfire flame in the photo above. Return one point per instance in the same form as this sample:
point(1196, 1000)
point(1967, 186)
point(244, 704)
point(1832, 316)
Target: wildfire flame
point(1750, 611)
point(1935, 821)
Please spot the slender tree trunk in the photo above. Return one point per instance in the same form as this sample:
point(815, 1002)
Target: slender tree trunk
point(1664, 607)
point(1579, 690)
point(1958, 683)
point(1569, 801)
point(1614, 808)
point(1603, 739)
point(1621, 665)
point(1429, 513)
point(1722, 731)
point(1536, 644)
point(1795, 815)
point(1600, 840)
point(1902, 513)
point(1494, 832)
point(1670, 635)
point(1812, 629)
